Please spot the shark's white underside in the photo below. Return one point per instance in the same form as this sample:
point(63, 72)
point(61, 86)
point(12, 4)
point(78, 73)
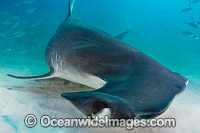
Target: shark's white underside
point(71, 74)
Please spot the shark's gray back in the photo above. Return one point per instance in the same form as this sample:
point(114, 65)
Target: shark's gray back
point(95, 52)
point(88, 49)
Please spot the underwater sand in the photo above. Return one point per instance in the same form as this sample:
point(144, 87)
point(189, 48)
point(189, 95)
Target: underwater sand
point(16, 102)
point(22, 49)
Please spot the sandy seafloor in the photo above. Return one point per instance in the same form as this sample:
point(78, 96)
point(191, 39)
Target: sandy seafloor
point(154, 33)
point(17, 102)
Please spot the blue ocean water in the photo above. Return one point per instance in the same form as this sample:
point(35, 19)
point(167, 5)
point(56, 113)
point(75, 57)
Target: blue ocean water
point(27, 26)
point(158, 27)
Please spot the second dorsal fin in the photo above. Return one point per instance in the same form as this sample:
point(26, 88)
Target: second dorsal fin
point(122, 35)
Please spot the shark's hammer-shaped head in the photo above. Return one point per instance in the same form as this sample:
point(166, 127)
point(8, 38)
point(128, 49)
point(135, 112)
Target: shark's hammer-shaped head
point(101, 104)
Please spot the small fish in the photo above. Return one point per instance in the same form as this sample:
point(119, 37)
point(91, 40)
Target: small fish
point(197, 51)
point(190, 34)
point(196, 37)
point(14, 18)
point(6, 50)
point(2, 34)
point(187, 33)
point(192, 24)
point(25, 22)
point(9, 88)
point(18, 4)
point(166, 30)
point(193, 2)
point(186, 10)
point(31, 10)
point(14, 26)
point(16, 33)
point(6, 22)
point(28, 1)
point(126, 16)
point(148, 19)
point(20, 35)
point(23, 52)
point(36, 24)
point(2, 13)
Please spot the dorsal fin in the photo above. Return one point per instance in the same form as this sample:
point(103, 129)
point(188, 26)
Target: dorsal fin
point(70, 8)
point(122, 35)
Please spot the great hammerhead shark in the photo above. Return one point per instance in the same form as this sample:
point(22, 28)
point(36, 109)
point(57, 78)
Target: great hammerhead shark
point(129, 84)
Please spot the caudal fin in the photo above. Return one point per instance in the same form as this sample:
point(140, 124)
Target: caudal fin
point(70, 8)
point(44, 76)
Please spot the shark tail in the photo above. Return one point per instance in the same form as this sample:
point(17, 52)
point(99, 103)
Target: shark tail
point(70, 8)
point(44, 76)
